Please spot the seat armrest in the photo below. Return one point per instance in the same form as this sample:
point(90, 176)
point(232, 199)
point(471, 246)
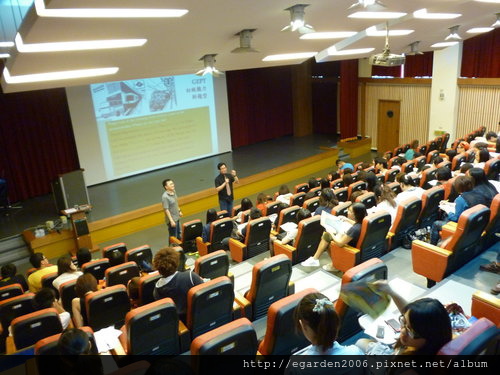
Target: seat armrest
point(175, 240)
point(291, 288)
point(10, 347)
point(484, 305)
point(448, 229)
point(202, 246)
point(284, 249)
point(184, 337)
point(246, 305)
point(429, 260)
point(344, 258)
point(237, 311)
point(237, 250)
point(118, 350)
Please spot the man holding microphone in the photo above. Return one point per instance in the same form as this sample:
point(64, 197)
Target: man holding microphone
point(224, 186)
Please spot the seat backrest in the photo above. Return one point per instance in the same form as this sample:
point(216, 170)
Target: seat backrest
point(338, 183)
point(431, 146)
point(297, 199)
point(356, 186)
point(395, 187)
point(466, 240)
point(301, 188)
point(67, 292)
point(473, 341)
point(10, 291)
point(219, 230)
point(370, 270)
point(28, 329)
point(407, 215)
point(13, 307)
point(107, 307)
point(96, 267)
point(368, 199)
point(271, 208)
point(341, 209)
point(147, 286)
point(270, 278)
point(153, 329)
point(398, 150)
point(342, 194)
point(445, 163)
point(493, 226)
point(212, 265)
point(430, 205)
point(257, 236)
point(428, 175)
point(121, 273)
point(420, 161)
point(492, 169)
point(209, 305)
point(444, 144)
point(408, 166)
point(372, 240)
point(222, 214)
point(457, 161)
point(139, 255)
point(48, 346)
point(281, 338)
point(235, 338)
point(423, 149)
point(390, 175)
point(244, 216)
point(121, 247)
point(308, 238)
point(47, 282)
point(311, 204)
point(236, 209)
point(191, 230)
point(449, 190)
point(380, 178)
point(286, 215)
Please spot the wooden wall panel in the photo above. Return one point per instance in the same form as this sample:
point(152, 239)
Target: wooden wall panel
point(478, 106)
point(415, 99)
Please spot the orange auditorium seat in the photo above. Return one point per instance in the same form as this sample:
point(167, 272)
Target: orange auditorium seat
point(406, 221)
point(190, 230)
point(28, 329)
point(256, 240)
point(219, 230)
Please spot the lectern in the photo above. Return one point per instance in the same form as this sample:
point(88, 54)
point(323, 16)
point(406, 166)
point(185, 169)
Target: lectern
point(80, 226)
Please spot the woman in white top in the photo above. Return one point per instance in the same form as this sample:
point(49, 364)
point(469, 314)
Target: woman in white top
point(66, 271)
point(481, 158)
point(293, 228)
point(284, 195)
point(385, 201)
point(409, 189)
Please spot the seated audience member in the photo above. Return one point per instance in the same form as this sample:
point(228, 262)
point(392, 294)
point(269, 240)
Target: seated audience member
point(371, 181)
point(380, 165)
point(43, 267)
point(481, 158)
point(483, 192)
point(463, 169)
point(462, 185)
point(450, 154)
point(246, 204)
point(410, 153)
point(133, 291)
point(332, 176)
point(261, 202)
point(83, 256)
point(254, 214)
point(491, 137)
point(362, 175)
point(116, 258)
point(356, 214)
point(364, 165)
point(347, 179)
point(211, 216)
point(462, 147)
point(316, 317)
point(385, 201)
point(312, 183)
point(174, 284)
point(46, 298)
point(425, 327)
point(437, 160)
point(284, 194)
point(355, 195)
point(85, 284)
point(9, 277)
point(443, 174)
point(327, 201)
point(324, 183)
point(409, 190)
point(342, 166)
point(293, 228)
point(74, 345)
point(66, 271)
point(397, 163)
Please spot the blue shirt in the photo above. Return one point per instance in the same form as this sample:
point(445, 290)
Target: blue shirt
point(336, 349)
point(460, 206)
point(347, 166)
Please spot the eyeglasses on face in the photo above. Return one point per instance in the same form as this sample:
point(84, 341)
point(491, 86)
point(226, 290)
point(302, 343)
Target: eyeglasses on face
point(411, 332)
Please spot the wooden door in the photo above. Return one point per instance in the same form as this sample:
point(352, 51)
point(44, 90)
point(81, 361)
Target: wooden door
point(388, 125)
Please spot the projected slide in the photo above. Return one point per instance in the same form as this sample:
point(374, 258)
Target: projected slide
point(146, 124)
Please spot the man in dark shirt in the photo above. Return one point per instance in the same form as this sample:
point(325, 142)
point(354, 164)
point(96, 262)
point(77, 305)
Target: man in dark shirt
point(9, 277)
point(224, 186)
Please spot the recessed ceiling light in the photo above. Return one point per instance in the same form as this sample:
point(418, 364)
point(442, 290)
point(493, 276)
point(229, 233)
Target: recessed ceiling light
point(373, 31)
point(443, 44)
point(6, 44)
point(55, 76)
point(329, 35)
point(4, 55)
point(76, 46)
point(422, 13)
point(377, 15)
point(42, 11)
point(332, 51)
point(289, 56)
point(479, 30)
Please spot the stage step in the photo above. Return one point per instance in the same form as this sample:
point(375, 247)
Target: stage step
point(14, 250)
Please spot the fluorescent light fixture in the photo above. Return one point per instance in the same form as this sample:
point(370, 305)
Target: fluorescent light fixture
point(367, 4)
point(76, 46)
point(6, 44)
point(489, 1)
point(443, 44)
point(373, 31)
point(55, 76)
point(289, 56)
point(4, 55)
point(422, 13)
point(42, 11)
point(332, 51)
point(329, 35)
point(479, 30)
point(377, 15)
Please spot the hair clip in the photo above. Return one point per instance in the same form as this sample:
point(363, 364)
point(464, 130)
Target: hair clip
point(321, 303)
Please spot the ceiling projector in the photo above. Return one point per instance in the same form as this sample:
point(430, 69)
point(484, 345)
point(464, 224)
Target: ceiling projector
point(386, 58)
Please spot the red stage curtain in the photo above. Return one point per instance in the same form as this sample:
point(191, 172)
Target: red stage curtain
point(260, 104)
point(37, 141)
point(419, 65)
point(392, 71)
point(348, 98)
point(481, 56)
point(324, 107)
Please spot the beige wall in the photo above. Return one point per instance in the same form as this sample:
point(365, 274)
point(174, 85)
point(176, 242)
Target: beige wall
point(414, 116)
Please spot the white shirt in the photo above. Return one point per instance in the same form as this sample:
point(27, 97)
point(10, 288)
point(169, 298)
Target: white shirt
point(285, 198)
point(385, 206)
point(413, 192)
point(66, 276)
